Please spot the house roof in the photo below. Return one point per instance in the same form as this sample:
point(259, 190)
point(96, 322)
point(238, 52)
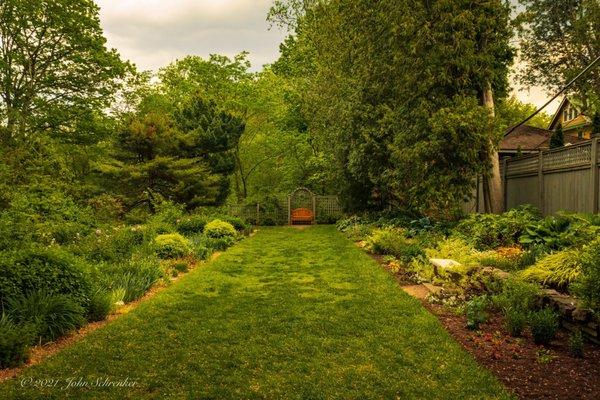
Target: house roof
point(558, 113)
point(525, 138)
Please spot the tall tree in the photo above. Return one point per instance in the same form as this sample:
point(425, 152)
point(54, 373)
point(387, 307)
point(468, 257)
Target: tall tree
point(54, 64)
point(382, 79)
point(558, 138)
point(558, 40)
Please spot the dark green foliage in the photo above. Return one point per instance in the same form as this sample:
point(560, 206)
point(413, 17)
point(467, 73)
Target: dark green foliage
point(596, 124)
point(200, 247)
point(517, 295)
point(211, 136)
point(515, 320)
point(560, 231)
point(393, 242)
point(192, 224)
point(588, 287)
point(219, 244)
point(52, 269)
point(489, 231)
point(52, 315)
point(475, 310)
point(544, 325)
point(100, 306)
point(111, 244)
point(14, 342)
point(577, 344)
point(557, 139)
point(135, 277)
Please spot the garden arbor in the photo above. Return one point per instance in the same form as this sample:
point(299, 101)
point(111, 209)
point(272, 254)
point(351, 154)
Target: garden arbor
point(306, 208)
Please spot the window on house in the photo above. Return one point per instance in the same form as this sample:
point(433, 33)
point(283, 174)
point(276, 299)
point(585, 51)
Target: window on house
point(580, 134)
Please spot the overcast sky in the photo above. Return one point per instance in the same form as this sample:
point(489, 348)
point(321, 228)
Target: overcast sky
point(153, 33)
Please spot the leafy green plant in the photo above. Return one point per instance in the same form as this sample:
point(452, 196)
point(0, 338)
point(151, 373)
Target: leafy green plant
point(559, 232)
point(14, 342)
point(172, 245)
point(488, 231)
point(588, 285)
point(53, 270)
point(53, 315)
point(475, 310)
point(392, 241)
point(218, 244)
point(577, 344)
point(219, 229)
point(135, 277)
point(557, 270)
point(517, 295)
point(101, 305)
point(544, 325)
point(455, 249)
point(515, 321)
point(545, 356)
point(192, 224)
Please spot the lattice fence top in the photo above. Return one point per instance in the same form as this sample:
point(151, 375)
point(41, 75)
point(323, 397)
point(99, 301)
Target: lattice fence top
point(568, 157)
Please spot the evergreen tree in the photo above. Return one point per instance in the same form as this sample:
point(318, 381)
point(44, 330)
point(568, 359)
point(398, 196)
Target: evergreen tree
point(558, 138)
point(596, 124)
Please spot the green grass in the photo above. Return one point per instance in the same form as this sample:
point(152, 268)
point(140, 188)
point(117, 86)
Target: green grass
point(287, 314)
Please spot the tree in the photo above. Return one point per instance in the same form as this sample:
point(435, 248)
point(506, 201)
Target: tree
point(54, 66)
point(380, 74)
point(558, 138)
point(511, 111)
point(596, 124)
point(558, 40)
point(186, 158)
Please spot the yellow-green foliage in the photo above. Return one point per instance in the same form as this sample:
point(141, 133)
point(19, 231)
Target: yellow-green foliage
point(455, 249)
point(558, 269)
point(172, 245)
point(392, 241)
point(219, 229)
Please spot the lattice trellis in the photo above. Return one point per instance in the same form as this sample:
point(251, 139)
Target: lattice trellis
point(577, 155)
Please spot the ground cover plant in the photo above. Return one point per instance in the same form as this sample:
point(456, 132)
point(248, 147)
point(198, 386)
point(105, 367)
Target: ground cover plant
point(312, 282)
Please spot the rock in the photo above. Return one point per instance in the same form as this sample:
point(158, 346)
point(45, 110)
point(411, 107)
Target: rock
point(440, 264)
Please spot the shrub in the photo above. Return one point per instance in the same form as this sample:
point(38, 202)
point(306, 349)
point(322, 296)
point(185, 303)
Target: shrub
point(200, 247)
point(517, 296)
point(135, 277)
point(475, 312)
point(392, 242)
point(588, 286)
point(114, 244)
point(516, 321)
point(218, 244)
point(345, 224)
point(52, 315)
point(558, 270)
point(559, 232)
point(101, 305)
point(218, 229)
point(52, 269)
point(192, 225)
point(488, 231)
point(14, 342)
point(238, 223)
point(172, 245)
point(576, 344)
point(455, 249)
point(544, 325)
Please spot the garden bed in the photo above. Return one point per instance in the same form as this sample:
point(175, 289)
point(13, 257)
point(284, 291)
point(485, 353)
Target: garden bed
point(518, 291)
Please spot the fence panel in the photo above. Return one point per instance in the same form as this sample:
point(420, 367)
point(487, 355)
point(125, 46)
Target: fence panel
point(566, 179)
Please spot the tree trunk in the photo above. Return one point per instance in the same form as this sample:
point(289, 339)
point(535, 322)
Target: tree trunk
point(492, 184)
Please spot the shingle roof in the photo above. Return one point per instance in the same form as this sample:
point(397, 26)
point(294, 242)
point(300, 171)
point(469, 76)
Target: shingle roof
point(526, 137)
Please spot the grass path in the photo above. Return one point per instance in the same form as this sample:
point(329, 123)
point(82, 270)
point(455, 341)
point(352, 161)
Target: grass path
point(286, 314)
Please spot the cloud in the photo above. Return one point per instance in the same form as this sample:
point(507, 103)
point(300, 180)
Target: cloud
point(153, 33)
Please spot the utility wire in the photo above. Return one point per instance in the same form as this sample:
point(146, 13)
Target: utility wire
point(555, 96)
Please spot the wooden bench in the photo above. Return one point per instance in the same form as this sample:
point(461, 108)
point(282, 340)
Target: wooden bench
point(302, 216)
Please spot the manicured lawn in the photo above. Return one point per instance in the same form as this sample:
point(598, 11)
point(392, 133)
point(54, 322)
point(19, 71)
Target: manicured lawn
point(286, 314)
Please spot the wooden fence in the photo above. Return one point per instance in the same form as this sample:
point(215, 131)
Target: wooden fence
point(564, 179)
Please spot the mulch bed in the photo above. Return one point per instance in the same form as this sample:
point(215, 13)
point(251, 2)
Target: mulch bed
point(526, 369)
